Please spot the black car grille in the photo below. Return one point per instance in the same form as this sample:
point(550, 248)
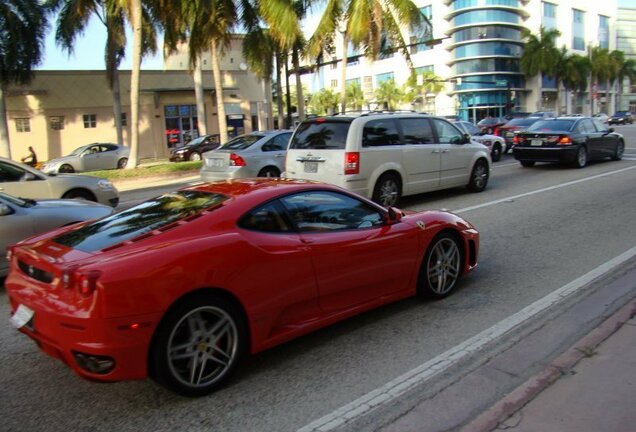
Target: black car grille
point(35, 273)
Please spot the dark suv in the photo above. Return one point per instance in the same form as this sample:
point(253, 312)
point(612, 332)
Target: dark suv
point(621, 117)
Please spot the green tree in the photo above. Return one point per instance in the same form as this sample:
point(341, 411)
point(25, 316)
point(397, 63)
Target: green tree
point(74, 16)
point(364, 24)
point(575, 72)
point(601, 65)
point(323, 102)
point(540, 54)
point(422, 87)
point(23, 28)
point(389, 94)
point(627, 69)
point(261, 52)
point(355, 96)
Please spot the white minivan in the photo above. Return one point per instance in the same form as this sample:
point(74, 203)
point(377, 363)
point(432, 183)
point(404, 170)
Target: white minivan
point(386, 156)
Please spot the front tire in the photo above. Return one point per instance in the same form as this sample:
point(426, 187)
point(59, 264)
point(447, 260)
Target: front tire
point(66, 169)
point(198, 345)
point(495, 154)
point(195, 156)
point(581, 157)
point(79, 194)
point(618, 152)
point(441, 267)
point(479, 176)
point(387, 191)
point(121, 163)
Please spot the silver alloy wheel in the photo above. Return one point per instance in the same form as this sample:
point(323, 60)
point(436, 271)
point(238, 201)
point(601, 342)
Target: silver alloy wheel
point(442, 268)
point(581, 157)
point(620, 150)
point(195, 156)
point(388, 192)
point(480, 175)
point(203, 346)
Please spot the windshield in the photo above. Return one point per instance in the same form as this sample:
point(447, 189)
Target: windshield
point(78, 151)
point(521, 122)
point(241, 142)
point(143, 218)
point(489, 121)
point(469, 128)
point(14, 200)
point(552, 125)
point(321, 135)
point(621, 113)
point(196, 141)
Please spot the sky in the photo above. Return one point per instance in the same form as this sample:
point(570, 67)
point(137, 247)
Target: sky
point(89, 50)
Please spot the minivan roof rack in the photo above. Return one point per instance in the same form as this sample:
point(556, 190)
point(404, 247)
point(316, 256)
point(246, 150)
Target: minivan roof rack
point(373, 112)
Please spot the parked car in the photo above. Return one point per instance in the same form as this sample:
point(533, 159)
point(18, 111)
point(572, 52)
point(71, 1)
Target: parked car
point(509, 130)
point(91, 157)
point(568, 140)
point(490, 125)
point(495, 144)
point(22, 218)
point(602, 117)
point(221, 270)
point(193, 150)
point(257, 154)
point(621, 117)
point(543, 114)
point(23, 181)
point(387, 156)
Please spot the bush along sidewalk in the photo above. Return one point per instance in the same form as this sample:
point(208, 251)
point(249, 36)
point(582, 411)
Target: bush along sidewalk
point(168, 169)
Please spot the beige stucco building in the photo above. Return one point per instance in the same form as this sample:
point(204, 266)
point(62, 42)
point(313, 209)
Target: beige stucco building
point(62, 110)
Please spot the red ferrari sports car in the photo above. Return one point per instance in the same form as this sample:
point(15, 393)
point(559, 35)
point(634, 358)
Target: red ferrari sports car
point(183, 286)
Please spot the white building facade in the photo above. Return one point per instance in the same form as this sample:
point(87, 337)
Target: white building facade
point(478, 57)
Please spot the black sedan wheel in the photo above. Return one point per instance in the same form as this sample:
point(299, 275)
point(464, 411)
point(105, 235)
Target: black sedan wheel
point(618, 152)
point(495, 154)
point(195, 156)
point(198, 345)
point(441, 267)
point(66, 169)
point(581, 157)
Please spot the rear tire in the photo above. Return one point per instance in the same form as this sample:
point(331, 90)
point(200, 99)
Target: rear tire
point(387, 191)
point(581, 157)
point(441, 267)
point(527, 164)
point(269, 172)
point(479, 176)
point(198, 345)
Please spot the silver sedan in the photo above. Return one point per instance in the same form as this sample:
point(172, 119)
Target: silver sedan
point(91, 157)
point(21, 180)
point(258, 154)
point(23, 218)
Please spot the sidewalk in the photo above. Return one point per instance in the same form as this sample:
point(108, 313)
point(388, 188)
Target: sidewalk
point(591, 387)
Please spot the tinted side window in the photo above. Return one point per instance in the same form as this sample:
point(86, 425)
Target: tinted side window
point(447, 133)
point(330, 211)
point(600, 127)
point(380, 133)
point(278, 143)
point(320, 135)
point(416, 131)
point(586, 126)
point(10, 173)
point(266, 218)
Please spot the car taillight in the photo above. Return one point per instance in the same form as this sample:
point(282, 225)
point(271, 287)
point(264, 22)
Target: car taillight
point(515, 139)
point(352, 163)
point(236, 160)
point(87, 282)
point(566, 140)
point(496, 131)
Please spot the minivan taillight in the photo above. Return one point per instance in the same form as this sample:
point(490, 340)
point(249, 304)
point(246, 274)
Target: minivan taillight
point(236, 160)
point(352, 163)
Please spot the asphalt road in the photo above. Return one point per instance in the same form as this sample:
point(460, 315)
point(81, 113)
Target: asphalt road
point(540, 227)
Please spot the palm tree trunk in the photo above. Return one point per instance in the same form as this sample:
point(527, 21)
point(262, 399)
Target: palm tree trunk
point(343, 72)
point(619, 94)
point(279, 92)
point(558, 98)
point(133, 160)
point(117, 107)
point(218, 87)
point(5, 148)
point(608, 99)
point(269, 107)
point(198, 95)
point(300, 101)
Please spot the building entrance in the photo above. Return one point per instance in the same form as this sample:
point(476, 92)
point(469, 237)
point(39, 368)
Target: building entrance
point(182, 124)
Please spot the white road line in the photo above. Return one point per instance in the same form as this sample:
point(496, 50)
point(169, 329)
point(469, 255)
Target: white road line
point(562, 185)
point(402, 384)
point(504, 165)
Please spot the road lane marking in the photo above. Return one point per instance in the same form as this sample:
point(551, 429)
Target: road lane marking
point(394, 389)
point(538, 191)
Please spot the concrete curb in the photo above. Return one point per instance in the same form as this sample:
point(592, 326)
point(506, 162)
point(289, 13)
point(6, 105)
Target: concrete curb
point(513, 402)
point(138, 183)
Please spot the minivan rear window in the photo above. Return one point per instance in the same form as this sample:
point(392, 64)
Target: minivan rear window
point(330, 135)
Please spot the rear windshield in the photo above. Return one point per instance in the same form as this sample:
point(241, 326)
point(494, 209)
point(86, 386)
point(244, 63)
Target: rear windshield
point(241, 142)
point(521, 121)
point(320, 135)
point(145, 217)
point(552, 125)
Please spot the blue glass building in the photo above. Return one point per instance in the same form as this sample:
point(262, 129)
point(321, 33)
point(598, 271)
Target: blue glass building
point(485, 51)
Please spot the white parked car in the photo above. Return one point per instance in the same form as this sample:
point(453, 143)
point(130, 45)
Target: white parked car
point(23, 218)
point(21, 180)
point(496, 144)
point(384, 156)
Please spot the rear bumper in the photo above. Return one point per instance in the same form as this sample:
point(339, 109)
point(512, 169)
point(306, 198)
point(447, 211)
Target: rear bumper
point(229, 173)
point(545, 154)
point(61, 335)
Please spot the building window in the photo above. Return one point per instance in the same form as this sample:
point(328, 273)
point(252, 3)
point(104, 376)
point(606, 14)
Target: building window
point(380, 78)
point(352, 52)
point(603, 31)
point(57, 123)
point(427, 68)
point(334, 83)
point(90, 121)
point(549, 15)
point(578, 30)
point(357, 81)
point(23, 125)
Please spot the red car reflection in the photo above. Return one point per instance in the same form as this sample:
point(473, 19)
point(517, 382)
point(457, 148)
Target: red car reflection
point(180, 288)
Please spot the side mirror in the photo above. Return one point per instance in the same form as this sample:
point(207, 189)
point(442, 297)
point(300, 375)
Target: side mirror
point(5, 210)
point(610, 130)
point(467, 138)
point(394, 214)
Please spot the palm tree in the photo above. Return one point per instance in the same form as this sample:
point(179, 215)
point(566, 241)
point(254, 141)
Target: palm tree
point(23, 28)
point(601, 65)
point(364, 24)
point(627, 69)
point(619, 69)
point(355, 96)
point(260, 52)
point(575, 73)
point(420, 86)
point(323, 102)
point(540, 54)
point(389, 94)
point(72, 20)
point(134, 15)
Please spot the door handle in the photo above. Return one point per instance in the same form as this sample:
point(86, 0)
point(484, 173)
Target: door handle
point(436, 151)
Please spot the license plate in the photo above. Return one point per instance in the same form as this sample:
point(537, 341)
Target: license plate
point(311, 167)
point(22, 316)
point(510, 134)
point(216, 162)
point(536, 142)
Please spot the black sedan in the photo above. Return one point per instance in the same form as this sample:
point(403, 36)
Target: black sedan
point(193, 150)
point(573, 140)
point(621, 117)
